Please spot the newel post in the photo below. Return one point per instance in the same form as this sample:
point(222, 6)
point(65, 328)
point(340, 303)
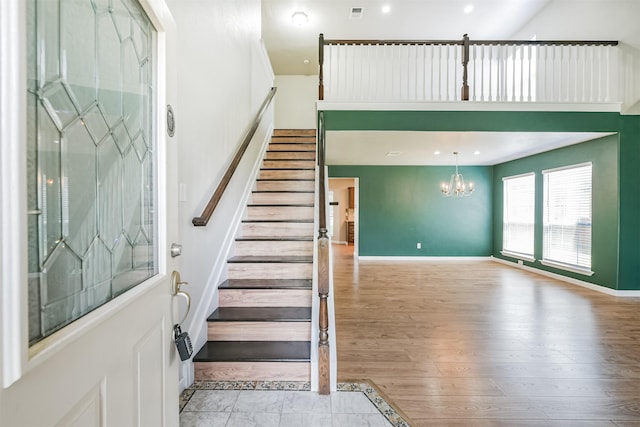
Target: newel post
point(324, 386)
point(320, 72)
point(465, 65)
point(324, 375)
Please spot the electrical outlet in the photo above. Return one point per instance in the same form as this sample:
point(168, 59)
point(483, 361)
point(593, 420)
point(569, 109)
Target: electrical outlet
point(418, 245)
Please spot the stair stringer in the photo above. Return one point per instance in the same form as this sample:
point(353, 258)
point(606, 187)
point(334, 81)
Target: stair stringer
point(196, 322)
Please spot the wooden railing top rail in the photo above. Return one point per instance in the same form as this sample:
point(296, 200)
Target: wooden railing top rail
point(328, 42)
point(203, 219)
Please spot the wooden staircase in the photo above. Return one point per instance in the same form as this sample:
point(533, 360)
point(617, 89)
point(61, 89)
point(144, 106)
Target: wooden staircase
point(262, 327)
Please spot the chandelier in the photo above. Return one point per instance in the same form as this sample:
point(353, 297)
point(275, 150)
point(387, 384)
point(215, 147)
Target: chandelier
point(456, 186)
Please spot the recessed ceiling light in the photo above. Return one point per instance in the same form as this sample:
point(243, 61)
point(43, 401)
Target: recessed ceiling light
point(437, 152)
point(468, 8)
point(476, 152)
point(386, 8)
point(300, 18)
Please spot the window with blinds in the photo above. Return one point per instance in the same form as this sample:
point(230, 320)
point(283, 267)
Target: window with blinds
point(518, 216)
point(566, 239)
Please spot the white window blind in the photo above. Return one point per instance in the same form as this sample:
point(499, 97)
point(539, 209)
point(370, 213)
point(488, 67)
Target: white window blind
point(518, 214)
point(566, 237)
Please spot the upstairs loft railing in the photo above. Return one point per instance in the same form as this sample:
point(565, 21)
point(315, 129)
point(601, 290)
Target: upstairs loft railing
point(324, 376)
point(470, 70)
point(203, 219)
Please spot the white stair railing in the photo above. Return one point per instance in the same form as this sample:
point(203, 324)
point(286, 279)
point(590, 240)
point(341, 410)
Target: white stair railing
point(474, 70)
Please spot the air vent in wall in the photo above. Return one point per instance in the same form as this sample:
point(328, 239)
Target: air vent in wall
point(356, 13)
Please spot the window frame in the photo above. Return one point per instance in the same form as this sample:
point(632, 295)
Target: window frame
point(559, 264)
point(512, 253)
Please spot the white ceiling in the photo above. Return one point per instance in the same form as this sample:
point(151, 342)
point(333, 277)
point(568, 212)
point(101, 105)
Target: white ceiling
point(419, 148)
point(290, 46)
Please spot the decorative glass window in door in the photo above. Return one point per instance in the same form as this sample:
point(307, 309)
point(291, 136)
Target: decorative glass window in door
point(91, 156)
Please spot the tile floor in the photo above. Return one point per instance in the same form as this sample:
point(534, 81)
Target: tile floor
point(222, 406)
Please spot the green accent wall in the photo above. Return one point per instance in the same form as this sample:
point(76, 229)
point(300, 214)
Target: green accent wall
point(603, 153)
point(400, 206)
point(627, 127)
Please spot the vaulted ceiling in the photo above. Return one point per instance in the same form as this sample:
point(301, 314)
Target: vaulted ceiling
point(293, 50)
point(290, 45)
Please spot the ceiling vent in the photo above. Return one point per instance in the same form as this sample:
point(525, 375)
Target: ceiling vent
point(356, 13)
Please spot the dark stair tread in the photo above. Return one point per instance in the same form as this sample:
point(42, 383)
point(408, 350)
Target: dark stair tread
point(284, 191)
point(254, 351)
point(291, 151)
point(288, 169)
point(270, 259)
point(266, 284)
point(288, 160)
point(275, 239)
point(295, 221)
point(261, 314)
point(285, 179)
point(282, 205)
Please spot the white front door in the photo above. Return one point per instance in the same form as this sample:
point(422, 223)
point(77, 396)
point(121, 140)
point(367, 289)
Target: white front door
point(87, 214)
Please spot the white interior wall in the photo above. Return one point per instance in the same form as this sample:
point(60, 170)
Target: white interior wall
point(222, 80)
point(295, 106)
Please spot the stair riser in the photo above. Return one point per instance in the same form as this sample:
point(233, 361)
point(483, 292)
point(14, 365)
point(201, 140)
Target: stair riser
point(290, 146)
point(280, 270)
point(284, 248)
point(259, 331)
point(258, 371)
point(283, 198)
point(298, 155)
point(293, 139)
point(294, 132)
point(287, 174)
point(285, 186)
point(279, 213)
point(264, 298)
point(289, 164)
point(283, 229)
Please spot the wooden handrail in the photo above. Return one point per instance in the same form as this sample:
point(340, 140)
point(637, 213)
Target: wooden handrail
point(465, 43)
point(324, 376)
point(203, 219)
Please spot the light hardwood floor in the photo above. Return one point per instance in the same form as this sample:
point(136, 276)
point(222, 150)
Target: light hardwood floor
point(477, 343)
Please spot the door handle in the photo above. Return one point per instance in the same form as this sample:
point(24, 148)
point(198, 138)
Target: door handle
point(176, 283)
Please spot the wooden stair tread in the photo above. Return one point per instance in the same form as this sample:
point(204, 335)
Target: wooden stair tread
point(285, 179)
point(290, 151)
point(288, 169)
point(275, 239)
point(281, 205)
point(284, 191)
point(270, 259)
point(254, 351)
point(302, 221)
point(261, 314)
point(266, 284)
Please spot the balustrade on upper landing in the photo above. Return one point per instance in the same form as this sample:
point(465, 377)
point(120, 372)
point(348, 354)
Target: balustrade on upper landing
point(592, 72)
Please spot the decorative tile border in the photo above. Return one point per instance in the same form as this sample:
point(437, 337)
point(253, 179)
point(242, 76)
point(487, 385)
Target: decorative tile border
point(389, 412)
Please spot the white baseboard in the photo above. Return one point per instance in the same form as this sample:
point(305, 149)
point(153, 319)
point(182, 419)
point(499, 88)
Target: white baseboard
point(339, 242)
point(425, 258)
point(571, 280)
